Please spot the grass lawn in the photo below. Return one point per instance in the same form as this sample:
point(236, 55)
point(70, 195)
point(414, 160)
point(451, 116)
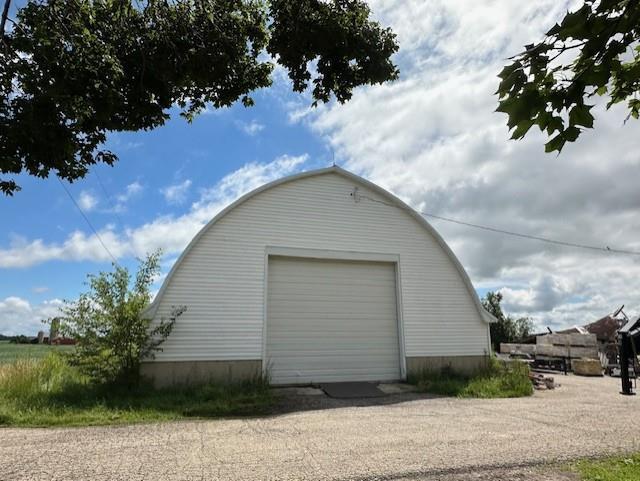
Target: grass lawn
point(498, 380)
point(10, 352)
point(619, 468)
point(49, 392)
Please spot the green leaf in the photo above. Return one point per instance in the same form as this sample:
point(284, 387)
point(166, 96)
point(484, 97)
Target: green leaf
point(554, 30)
point(555, 124)
point(580, 115)
point(512, 82)
point(634, 108)
point(509, 69)
point(522, 129)
point(595, 75)
point(571, 134)
point(554, 144)
point(543, 120)
point(574, 23)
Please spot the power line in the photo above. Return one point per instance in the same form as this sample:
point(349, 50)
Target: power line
point(109, 198)
point(511, 233)
point(87, 220)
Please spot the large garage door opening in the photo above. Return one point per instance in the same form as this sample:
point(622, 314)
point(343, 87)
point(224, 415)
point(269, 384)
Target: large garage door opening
point(331, 320)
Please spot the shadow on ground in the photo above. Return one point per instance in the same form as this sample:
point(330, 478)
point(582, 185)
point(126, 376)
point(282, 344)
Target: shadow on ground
point(290, 402)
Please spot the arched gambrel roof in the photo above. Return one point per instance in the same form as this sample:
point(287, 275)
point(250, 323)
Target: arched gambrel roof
point(392, 199)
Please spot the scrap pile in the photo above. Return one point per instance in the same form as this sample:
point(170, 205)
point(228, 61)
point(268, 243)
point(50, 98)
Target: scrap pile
point(559, 351)
point(540, 381)
point(609, 345)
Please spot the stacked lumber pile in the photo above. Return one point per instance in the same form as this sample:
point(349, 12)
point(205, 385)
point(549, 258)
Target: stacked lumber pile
point(517, 349)
point(569, 346)
point(540, 381)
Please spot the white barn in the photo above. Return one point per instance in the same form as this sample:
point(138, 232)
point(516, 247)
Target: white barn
point(318, 277)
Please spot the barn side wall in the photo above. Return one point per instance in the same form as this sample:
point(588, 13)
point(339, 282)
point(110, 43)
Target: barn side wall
point(221, 279)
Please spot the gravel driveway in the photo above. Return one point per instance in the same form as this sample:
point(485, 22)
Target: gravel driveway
point(408, 438)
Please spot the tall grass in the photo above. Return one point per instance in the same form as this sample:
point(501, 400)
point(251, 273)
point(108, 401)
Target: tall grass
point(497, 380)
point(31, 381)
point(50, 392)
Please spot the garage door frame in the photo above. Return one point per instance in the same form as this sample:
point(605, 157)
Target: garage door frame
point(334, 255)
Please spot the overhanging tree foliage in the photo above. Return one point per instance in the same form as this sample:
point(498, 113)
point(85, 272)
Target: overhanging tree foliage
point(106, 321)
point(592, 51)
point(507, 329)
point(71, 71)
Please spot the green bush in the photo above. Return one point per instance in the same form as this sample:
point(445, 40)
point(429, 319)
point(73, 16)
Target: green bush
point(107, 322)
point(497, 380)
point(50, 392)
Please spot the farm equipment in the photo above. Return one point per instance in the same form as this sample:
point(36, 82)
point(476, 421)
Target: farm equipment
point(629, 346)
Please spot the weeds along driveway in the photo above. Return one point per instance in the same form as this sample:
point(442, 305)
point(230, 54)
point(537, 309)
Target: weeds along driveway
point(416, 438)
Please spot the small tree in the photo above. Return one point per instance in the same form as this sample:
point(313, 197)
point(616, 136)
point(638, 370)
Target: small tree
point(111, 333)
point(507, 329)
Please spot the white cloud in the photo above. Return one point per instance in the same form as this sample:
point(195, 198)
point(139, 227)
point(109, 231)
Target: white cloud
point(77, 247)
point(177, 193)
point(18, 316)
point(170, 233)
point(87, 201)
point(251, 128)
point(131, 190)
point(433, 138)
point(40, 289)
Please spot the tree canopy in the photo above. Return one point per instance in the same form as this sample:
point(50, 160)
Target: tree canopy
point(71, 71)
point(507, 328)
point(593, 51)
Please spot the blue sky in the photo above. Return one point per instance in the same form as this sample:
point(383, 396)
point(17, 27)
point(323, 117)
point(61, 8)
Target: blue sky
point(432, 138)
point(198, 154)
point(189, 158)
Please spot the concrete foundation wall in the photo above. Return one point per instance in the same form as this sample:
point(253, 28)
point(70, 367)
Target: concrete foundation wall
point(164, 374)
point(461, 364)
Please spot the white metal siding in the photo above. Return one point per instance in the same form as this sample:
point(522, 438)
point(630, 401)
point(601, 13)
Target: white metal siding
point(330, 321)
point(221, 279)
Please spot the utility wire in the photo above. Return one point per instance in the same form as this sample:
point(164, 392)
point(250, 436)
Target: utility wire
point(87, 220)
point(510, 233)
point(109, 198)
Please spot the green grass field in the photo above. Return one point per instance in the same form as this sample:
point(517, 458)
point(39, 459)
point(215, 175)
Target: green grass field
point(11, 352)
point(618, 468)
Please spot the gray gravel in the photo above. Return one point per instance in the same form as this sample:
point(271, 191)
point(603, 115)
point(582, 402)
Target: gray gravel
point(407, 438)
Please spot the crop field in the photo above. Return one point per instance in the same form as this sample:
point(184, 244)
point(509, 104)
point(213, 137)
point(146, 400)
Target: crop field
point(10, 352)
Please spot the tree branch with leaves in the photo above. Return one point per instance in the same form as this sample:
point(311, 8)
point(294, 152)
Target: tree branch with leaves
point(72, 71)
point(593, 51)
